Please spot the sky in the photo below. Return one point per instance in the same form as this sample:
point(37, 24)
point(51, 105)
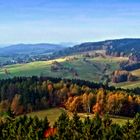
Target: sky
point(56, 21)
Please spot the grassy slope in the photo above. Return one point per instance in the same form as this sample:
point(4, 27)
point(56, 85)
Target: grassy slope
point(127, 85)
point(86, 71)
point(54, 113)
point(133, 84)
point(29, 69)
point(92, 72)
point(136, 72)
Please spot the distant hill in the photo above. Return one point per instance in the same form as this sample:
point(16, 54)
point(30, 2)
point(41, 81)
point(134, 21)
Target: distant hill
point(113, 47)
point(29, 49)
point(117, 47)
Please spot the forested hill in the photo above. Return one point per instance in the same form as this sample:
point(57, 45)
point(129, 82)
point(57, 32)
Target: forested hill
point(118, 46)
point(29, 49)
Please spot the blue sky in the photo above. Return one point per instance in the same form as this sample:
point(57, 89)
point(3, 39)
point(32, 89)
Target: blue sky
point(34, 21)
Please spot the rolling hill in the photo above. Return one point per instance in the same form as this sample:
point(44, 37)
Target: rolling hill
point(87, 61)
point(74, 67)
point(29, 49)
point(119, 46)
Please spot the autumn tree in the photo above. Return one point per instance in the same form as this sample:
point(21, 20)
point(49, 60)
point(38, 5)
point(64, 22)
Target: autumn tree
point(16, 107)
point(100, 105)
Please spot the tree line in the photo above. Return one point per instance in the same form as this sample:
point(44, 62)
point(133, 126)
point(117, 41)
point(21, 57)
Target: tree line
point(97, 128)
point(27, 94)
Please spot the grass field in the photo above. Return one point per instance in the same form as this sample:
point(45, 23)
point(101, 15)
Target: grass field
point(128, 85)
point(136, 72)
point(35, 68)
point(92, 71)
point(54, 113)
point(110, 59)
point(132, 84)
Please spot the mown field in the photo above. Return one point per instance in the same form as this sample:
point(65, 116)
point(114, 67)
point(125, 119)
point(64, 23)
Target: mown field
point(54, 113)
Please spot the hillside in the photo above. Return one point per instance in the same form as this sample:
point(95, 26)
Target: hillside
point(29, 49)
point(92, 61)
point(95, 69)
point(120, 46)
point(130, 84)
point(25, 53)
point(115, 47)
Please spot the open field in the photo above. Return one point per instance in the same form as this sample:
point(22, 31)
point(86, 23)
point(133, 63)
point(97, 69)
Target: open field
point(136, 72)
point(91, 70)
point(121, 120)
point(54, 113)
point(132, 84)
point(29, 69)
point(110, 59)
point(127, 85)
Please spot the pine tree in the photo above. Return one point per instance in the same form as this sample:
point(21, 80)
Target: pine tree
point(135, 134)
point(76, 127)
point(61, 125)
point(126, 129)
